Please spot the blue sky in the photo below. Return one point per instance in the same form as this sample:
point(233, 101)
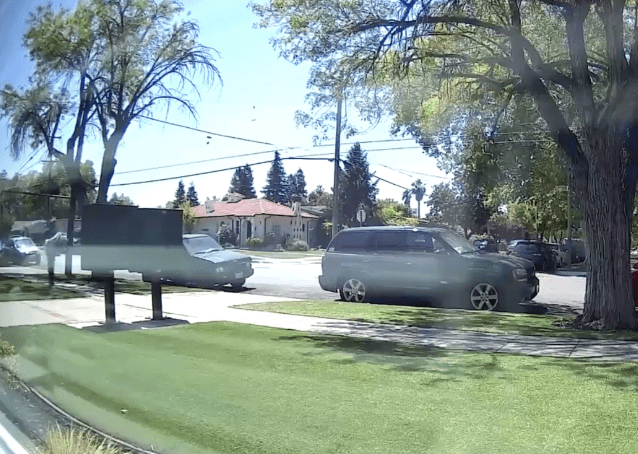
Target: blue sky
point(258, 99)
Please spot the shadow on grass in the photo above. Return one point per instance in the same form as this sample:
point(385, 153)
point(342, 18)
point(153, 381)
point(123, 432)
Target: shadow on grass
point(105, 328)
point(618, 374)
point(444, 363)
point(33, 288)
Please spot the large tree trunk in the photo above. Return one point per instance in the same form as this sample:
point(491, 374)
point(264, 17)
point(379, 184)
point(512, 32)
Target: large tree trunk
point(108, 165)
point(608, 298)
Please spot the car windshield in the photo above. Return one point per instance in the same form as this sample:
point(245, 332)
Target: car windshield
point(201, 244)
point(23, 243)
point(458, 243)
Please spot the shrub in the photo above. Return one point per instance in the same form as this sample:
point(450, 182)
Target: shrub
point(226, 235)
point(76, 441)
point(6, 349)
point(296, 245)
point(272, 239)
point(254, 243)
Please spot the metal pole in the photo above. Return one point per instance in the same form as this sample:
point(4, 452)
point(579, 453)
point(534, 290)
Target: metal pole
point(569, 221)
point(335, 202)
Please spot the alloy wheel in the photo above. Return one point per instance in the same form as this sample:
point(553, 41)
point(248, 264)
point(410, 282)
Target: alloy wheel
point(484, 297)
point(354, 291)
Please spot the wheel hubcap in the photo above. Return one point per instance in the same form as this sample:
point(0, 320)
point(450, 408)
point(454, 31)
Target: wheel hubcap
point(354, 291)
point(484, 297)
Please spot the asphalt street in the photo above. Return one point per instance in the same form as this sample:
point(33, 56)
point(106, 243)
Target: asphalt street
point(297, 278)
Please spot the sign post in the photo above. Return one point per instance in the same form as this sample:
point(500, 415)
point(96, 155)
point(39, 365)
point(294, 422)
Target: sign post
point(361, 216)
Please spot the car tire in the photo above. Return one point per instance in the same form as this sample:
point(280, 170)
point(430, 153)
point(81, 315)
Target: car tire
point(484, 297)
point(238, 284)
point(353, 291)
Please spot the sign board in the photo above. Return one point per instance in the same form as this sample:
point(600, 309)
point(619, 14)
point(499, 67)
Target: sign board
point(119, 237)
point(361, 216)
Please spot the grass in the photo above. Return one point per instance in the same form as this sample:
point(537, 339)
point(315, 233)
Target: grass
point(487, 322)
point(228, 388)
point(76, 441)
point(37, 288)
point(21, 289)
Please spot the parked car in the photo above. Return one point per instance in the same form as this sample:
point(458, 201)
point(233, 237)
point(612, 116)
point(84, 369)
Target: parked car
point(20, 250)
point(634, 283)
point(486, 245)
point(536, 252)
point(426, 262)
point(59, 242)
point(579, 250)
point(560, 256)
point(203, 261)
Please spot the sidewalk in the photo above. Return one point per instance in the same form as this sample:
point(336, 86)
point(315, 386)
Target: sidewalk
point(207, 307)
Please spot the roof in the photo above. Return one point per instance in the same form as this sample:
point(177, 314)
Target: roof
point(247, 207)
point(398, 227)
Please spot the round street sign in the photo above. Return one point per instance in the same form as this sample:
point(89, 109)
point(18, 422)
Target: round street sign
point(361, 216)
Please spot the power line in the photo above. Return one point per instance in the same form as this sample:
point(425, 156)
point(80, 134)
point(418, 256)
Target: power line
point(155, 180)
point(204, 160)
point(207, 132)
point(413, 173)
point(365, 141)
point(389, 182)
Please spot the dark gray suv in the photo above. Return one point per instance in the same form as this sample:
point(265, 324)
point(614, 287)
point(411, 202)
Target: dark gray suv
point(434, 263)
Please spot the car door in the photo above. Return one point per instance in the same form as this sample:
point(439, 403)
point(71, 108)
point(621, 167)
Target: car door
point(429, 262)
point(393, 263)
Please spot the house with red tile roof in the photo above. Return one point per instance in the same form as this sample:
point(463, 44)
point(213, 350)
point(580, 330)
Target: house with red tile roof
point(254, 218)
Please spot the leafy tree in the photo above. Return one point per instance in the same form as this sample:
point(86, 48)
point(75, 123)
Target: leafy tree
point(297, 187)
point(406, 197)
point(246, 183)
point(320, 197)
point(574, 62)
point(188, 216)
point(235, 181)
point(191, 195)
point(391, 212)
point(121, 199)
point(453, 204)
point(180, 195)
point(124, 57)
point(276, 189)
point(418, 190)
point(301, 193)
point(357, 188)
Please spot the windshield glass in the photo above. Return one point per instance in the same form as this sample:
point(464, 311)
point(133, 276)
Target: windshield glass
point(201, 244)
point(458, 243)
point(24, 243)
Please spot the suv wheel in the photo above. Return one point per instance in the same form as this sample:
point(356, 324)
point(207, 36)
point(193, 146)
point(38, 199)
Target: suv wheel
point(484, 297)
point(238, 284)
point(353, 291)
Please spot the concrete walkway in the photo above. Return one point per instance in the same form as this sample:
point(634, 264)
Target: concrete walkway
point(133, 312)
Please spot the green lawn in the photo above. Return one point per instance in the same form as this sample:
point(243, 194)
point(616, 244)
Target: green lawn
point(37, 288)
point(227, 388)
point(487, 322)
point(19, 289)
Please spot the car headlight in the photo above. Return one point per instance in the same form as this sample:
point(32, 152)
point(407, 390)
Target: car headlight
point(520, 273)
point(219, 269)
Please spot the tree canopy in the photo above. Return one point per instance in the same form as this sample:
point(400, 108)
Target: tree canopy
point(276, 189)
point(437, 64)
point(357, 189)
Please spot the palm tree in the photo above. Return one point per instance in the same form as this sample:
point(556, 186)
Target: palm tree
point(418, 190)
point(407, 197)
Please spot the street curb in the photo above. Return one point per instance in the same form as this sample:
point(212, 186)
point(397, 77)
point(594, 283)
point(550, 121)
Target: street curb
point(120, 443)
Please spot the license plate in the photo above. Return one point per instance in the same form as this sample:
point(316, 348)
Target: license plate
point(239, 275)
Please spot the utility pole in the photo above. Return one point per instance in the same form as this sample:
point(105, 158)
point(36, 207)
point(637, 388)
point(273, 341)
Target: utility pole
point(335, 201)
